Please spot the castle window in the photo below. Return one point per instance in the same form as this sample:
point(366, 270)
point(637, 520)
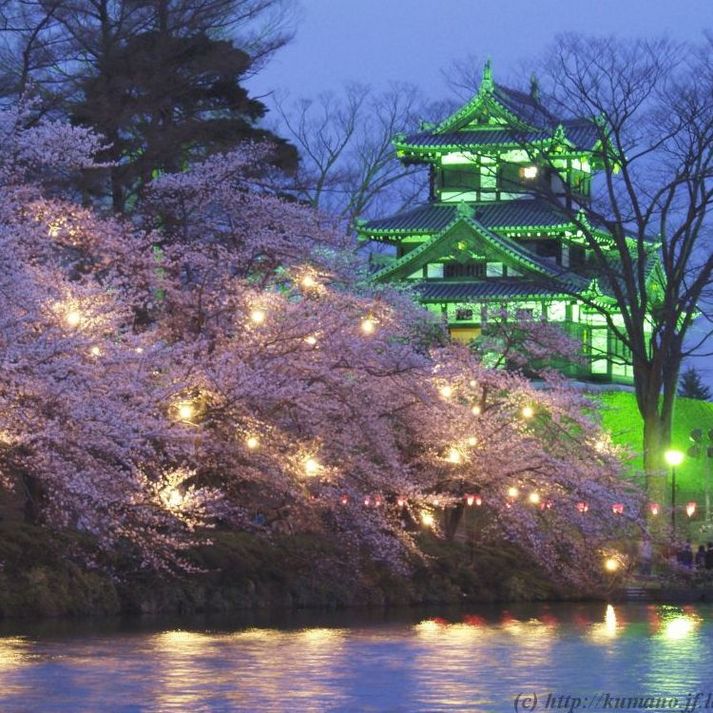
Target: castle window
point(468, 269)
point(463, 179)
point(528, 173)
point(495, 269)
point(464, 314)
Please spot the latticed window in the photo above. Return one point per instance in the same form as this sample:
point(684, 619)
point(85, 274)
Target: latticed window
point(462, 179)
point(464, 314)
point(468, 269)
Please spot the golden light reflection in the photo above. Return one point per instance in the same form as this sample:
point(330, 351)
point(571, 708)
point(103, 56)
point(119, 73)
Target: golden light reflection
point(607, 630)
point(677, 625)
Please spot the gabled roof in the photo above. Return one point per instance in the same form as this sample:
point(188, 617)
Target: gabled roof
point(518, 118)
point(522, 213)
point(508, 250)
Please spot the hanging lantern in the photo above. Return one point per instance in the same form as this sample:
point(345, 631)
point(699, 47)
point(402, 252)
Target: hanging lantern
point(470, 499)
point(454, 456)
point(582, 506)
point(344, 500)
point(654, 508)
point(691, 509)
point(257, 316)
point(401, 502)
point(617, 508)
point(367, 501)
point(368, 325)
point(476, 410)
point(252, 442)
point(312, 466)
point(377, 501)
point(534, 498)
point(527, 412)
point(478, 500)
point(513, 492)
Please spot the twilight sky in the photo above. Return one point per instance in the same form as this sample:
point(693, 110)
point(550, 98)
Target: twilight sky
point(378, 41)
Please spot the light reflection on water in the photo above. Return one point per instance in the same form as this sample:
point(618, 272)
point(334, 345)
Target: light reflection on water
point(475, 661)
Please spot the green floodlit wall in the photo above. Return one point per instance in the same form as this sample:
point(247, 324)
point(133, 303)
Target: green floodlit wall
point(621, 418)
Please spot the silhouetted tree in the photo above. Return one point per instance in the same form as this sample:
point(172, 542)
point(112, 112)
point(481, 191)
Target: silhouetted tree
point(691, 385)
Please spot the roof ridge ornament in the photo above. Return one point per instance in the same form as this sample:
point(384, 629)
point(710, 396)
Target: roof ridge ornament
point(534, 88)
point(487, 85)
point(465, 211)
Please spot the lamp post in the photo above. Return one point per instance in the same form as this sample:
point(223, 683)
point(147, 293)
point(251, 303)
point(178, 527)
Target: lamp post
point(673, 458)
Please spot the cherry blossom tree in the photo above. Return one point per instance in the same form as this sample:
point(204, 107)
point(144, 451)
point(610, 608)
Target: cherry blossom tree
point(226, 364)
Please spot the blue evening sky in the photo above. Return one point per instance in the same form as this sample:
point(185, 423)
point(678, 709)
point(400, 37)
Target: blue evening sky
point(378, 41)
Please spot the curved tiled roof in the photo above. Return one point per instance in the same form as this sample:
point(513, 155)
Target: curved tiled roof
point(493, 289)
point(522, 213)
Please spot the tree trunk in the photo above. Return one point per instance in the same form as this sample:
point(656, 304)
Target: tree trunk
point(451, 520)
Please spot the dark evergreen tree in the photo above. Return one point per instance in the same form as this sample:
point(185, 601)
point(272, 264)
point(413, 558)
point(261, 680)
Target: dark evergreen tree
point(691, 386)
point(161, 80)
point(165, 101)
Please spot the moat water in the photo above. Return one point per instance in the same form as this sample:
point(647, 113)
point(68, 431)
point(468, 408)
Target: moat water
point(571, 657)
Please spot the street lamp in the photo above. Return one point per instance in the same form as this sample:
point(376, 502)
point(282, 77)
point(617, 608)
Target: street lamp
point(673, 458)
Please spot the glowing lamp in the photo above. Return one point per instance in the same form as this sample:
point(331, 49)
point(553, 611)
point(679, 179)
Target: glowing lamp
point(252, 443)
point(534, 498)
point(478, 500)
point(185, 410)
point(139, 350)
point(427, 519)
point(472, 441)
point(73, 317)
point(258, 316)
point(344, 500)
point(95, 351)
point(691, 509)
point(367, 501)
point(472, 383)
point(673, 457)
point(654, 509)
point(611, 564)
point(446, 391)
point(470, 499)
point(528, 412)
point(618, 508)
point(368, 325)
point(401, 502)
point(454, 456)
point(308, 282)
point(312, 466)
point(311, 340)
point(529, 172)
point(582, 507)
point(475, 410)
point(599, 446)
point(513, 492)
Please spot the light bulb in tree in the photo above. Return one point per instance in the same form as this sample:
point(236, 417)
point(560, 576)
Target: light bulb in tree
point(446, 391)
point(600, 445)
point(311, 340)
point(691, 509)
point(472, 441)
point(368, 325)
point(185, 410)
point(475, 410)
point(258, 316)
point(95, 351)
point(618, 508)
point(401, 502)
point(528, 412)
point(611, 564)
point(513, 492)
point(344, 500)
point(308, 282)
point(470, 500)
point(312, 466)
point(472, 383)
point(252, 442)
point(654, 509)
point(582, 507)
point(529, 172)
point(427, 519)
point(673, 457)
point(454, 456)
point(73, 317)
point(534, 498)
point(172, 497)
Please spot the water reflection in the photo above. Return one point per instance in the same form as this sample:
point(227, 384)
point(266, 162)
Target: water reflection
point(405, 662)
